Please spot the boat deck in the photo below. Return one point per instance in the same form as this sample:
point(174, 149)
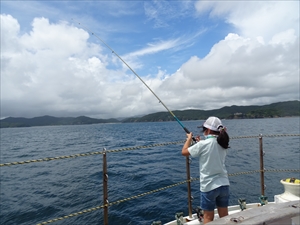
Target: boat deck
point(271, 214)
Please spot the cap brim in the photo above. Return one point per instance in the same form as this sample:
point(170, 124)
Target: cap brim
point(200, 126)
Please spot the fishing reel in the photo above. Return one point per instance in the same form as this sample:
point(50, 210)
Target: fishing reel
point(200, 213)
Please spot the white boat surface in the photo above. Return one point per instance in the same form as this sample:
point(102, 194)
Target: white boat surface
point(285, 210)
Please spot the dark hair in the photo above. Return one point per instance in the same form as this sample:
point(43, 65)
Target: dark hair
point(223, 137)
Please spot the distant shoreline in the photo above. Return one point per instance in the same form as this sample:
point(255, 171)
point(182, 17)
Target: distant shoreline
point(52, 125)
point(275, 110)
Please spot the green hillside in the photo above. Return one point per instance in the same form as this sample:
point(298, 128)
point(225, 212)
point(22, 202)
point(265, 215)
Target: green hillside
point(280, 109)
point(51, 121)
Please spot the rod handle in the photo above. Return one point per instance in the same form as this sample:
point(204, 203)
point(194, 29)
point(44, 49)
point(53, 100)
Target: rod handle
point(187, 131)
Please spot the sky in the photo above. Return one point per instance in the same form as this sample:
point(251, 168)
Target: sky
point(61, 58)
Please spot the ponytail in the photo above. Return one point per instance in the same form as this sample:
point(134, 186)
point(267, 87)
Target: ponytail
point(223, 137)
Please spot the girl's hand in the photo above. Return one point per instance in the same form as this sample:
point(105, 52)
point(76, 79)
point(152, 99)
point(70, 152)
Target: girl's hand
point(189, 136)
point(198, 138)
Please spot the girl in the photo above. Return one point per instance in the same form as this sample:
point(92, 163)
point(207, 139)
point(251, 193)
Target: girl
point(214, 183)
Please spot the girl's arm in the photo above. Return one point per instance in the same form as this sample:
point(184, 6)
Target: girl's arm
point(187, 144)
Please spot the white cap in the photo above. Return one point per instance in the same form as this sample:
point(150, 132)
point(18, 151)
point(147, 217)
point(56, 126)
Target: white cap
point(213, 123)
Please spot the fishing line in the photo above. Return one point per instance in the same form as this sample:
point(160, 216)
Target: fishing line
point(160, 101)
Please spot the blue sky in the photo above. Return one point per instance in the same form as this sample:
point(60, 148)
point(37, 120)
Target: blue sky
point(192, 54)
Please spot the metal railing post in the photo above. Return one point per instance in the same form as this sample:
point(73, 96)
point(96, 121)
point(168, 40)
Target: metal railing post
point(188, 176)
point(262, 170)
point(263, 198)
point(105, 192)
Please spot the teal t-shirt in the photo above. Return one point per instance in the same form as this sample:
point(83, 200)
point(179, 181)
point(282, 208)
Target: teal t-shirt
point(213, 173)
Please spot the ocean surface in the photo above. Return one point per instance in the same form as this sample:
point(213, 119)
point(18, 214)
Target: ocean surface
point(37, 192)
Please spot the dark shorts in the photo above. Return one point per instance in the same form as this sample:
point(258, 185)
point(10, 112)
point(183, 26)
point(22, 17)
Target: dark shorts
point(218, 197)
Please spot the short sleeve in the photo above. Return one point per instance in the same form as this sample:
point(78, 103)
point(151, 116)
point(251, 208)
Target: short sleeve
point(195, 150)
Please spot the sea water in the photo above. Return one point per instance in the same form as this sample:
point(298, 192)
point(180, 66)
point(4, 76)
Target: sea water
point(37, 192)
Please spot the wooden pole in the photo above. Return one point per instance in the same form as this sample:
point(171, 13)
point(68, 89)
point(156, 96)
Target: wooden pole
point(105, 191)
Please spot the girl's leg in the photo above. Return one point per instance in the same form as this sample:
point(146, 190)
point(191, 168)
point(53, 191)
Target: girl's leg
point(208, 216)
point(222, 211)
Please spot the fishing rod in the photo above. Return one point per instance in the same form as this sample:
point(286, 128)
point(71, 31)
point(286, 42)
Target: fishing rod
point(160, 101)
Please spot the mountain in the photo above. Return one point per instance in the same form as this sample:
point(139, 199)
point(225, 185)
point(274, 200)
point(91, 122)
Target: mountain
point(280, 109)
point(50, 121)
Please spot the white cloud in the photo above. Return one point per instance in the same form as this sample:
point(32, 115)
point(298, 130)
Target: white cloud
point(53, 65)
point(238, 70)
point(55, 69)
point(255, 18)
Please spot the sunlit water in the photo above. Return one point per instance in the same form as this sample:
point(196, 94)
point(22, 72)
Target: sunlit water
point(37, 192)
